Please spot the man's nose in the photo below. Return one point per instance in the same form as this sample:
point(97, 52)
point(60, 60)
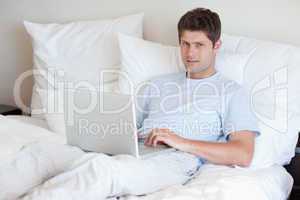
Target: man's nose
point(190, 52)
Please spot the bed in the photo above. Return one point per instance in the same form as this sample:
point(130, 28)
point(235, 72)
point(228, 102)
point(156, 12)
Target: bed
point(212, 181)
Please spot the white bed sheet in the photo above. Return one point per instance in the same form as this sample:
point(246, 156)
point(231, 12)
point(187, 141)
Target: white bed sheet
point(214, 182)
point(30, 120)
point(225, 183)
point(17, 131)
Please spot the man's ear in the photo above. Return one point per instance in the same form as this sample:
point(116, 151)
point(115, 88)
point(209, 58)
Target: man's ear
point(218, 44)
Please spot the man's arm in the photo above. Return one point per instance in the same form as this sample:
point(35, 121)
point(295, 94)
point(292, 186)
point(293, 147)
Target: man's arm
point(237, 151)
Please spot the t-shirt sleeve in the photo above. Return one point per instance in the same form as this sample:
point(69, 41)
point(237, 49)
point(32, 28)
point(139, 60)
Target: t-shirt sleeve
point(238, 114)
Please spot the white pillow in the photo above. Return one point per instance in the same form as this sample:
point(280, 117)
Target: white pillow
point(143, 60)
point(80, 49)
point(232, 65)
point(272, 75)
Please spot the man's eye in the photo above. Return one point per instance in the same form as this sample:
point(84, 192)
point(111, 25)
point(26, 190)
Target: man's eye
point(185, 44)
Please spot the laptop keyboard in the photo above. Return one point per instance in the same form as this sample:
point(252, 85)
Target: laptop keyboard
point(143, 149)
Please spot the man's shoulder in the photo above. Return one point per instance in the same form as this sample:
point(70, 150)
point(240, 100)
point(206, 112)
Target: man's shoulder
point(232, 89)
point(224, 85)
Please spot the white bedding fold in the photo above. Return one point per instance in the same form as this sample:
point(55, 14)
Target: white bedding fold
point(15, 134)
point(34, 164)
point(223, 183)
point(213, 181)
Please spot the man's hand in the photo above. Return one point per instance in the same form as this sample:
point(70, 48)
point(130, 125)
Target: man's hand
point(164, 136)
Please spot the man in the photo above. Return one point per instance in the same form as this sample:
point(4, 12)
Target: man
point(199, 36)
point(208, 121)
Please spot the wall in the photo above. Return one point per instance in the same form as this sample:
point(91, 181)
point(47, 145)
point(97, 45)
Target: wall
point(265, 19)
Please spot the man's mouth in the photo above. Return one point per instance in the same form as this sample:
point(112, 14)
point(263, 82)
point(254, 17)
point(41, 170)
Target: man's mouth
point(192, 61)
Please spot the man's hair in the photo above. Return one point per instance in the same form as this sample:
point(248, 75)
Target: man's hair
point(201, 19)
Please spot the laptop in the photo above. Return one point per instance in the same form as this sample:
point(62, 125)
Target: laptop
point(105, 122)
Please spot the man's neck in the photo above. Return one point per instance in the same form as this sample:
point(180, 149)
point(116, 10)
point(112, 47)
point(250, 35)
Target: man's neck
point(201, 75)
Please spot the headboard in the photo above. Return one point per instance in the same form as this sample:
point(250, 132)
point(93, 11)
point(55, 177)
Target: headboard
point(269, 19)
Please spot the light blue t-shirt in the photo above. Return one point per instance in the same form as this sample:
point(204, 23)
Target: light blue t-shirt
point(206, 109)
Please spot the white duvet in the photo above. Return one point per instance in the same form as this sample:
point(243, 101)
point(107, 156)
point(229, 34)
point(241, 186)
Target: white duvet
point(213, 182)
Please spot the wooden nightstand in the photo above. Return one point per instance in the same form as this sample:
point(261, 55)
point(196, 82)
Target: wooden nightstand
point(9, 110)
point(294, 169)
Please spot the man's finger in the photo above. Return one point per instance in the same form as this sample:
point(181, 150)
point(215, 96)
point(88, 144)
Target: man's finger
point(157, 139)
point(147, 139)
point(150, 138)
point(153, 138)
point(163, 129)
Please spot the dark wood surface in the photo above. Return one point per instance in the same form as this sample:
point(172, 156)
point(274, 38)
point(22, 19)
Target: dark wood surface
point(9, 110)
point(294, 169)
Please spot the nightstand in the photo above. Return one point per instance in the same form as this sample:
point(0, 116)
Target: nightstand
point(9, 110)
point(294, 169)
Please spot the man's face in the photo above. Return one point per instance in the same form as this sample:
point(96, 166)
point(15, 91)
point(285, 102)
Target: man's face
point(197, 51)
